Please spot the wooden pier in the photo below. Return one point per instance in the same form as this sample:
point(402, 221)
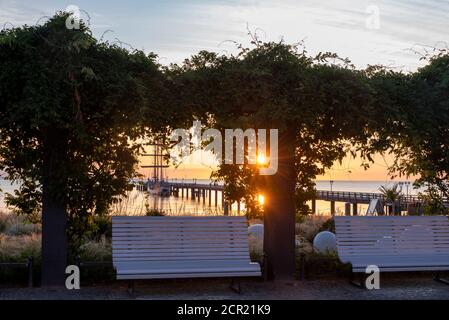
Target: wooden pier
point(353, 199)
point(202, 192)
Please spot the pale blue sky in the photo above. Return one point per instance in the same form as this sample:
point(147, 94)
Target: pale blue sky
point(177, 29)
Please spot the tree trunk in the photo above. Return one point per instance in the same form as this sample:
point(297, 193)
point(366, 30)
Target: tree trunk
point(279, 212)
point(54, 216)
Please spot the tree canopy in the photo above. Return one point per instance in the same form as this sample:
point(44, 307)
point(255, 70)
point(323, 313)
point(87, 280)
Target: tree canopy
point(323, 100)
point(70, 108)
point(411, 122)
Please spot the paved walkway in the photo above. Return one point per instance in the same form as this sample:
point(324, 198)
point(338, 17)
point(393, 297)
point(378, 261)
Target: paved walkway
point(402, 287)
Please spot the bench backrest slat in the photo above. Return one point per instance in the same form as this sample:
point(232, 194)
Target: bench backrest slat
point(391, 235)
point(179, 238)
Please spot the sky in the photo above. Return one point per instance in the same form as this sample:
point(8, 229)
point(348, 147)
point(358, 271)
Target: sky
point(371, 32)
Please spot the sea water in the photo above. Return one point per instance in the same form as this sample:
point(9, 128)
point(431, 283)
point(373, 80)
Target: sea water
point(138, 203)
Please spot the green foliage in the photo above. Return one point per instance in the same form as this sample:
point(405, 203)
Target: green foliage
point(13, 225)
point(433, 201)
point(20, 248)
point(26, 201)
point(328, 225)
point(97, 228)
point(154, 213)
point(98, 251)
point(391, 194)
point(412, 121)
point(322, 265)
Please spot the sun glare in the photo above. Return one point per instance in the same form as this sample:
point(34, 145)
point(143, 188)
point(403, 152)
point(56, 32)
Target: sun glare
point(261, 159)
point(261, 199)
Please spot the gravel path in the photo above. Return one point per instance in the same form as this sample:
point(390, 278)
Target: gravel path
point(400, 287)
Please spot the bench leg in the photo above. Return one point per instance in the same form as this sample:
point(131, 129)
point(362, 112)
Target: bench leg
point(439, 279)
point(361, 280)
point(238, 288)
point(131, 288)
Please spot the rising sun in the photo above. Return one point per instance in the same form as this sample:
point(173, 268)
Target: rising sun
point(261, 159)
point(261, 199)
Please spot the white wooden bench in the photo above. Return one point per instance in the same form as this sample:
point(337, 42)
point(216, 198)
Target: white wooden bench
point(181, 247)
point(394, 243)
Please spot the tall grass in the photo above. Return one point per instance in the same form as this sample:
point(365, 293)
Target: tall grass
point(139, 203)
point(14, 225)
point(96, 251)
point(19, 248)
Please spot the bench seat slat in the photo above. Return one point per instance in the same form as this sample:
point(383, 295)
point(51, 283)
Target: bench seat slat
point(188, 275)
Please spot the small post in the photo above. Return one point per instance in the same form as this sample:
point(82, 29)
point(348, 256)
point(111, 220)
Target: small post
point(313, 206)
point(226, 209)
point(30, 272)
point(354, 209)
point(347, 209)
point(216, 197)
point(333, 208)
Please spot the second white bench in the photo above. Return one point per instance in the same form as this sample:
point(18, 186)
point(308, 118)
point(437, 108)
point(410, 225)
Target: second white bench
point(394, 243)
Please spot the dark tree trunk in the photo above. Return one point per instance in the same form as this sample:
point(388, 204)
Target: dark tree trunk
point(279, 216)
point(54, 217)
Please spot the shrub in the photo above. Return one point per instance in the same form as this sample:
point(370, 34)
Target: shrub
point(20, 229)
point(310, 226)
point(13, 225)
point(100, 226)
point(154, 213)
point(19, 248)
point(328, 225)
point(255, 248)
point(4, 221)
point(98, 251)
point(317, 264)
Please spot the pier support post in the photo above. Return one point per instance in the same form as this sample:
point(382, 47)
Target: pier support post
point(313, 206)
point(210, 197)
point(347, 209)
point(193, 194)
point(354, 209)
point(333, 208)
point(216, 198)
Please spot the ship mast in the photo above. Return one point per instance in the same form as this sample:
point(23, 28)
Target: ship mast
point(158, 162)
